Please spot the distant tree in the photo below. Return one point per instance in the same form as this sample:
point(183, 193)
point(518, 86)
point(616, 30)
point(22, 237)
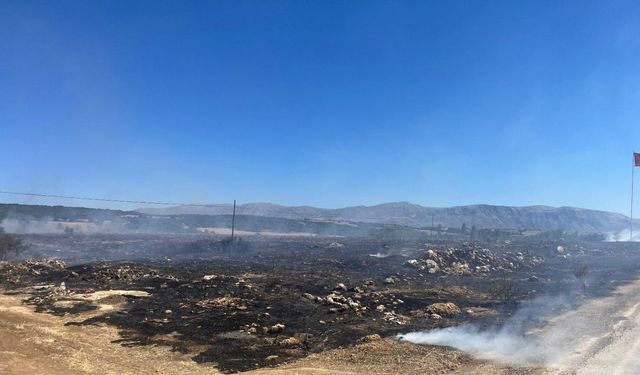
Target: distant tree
point(463, 228)
point(10, 245)
point(474, 233)
point(439, 230)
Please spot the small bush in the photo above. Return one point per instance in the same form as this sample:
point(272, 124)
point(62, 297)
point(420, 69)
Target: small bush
point(581, 271)
point(504, 290)
point(236, 244)
point(10, 245)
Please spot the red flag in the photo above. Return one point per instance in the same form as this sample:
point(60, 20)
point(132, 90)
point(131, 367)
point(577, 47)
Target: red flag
point(636, 159)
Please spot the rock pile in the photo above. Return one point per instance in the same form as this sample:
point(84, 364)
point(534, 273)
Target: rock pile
point(223, 302)
point(40, 269)
point(51, 263)
point(443, 309)
point(360, 300)
point(437, 311)
point(341, 303)
point(472, 260)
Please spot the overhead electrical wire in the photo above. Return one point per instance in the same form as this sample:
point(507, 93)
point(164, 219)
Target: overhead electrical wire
point(103, 199)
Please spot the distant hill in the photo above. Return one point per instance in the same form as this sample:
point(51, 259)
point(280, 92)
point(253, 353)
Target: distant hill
point(342, 221)
point(19, 218)
point(405, 213)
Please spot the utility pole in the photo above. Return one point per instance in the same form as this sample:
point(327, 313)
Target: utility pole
point(634, 164)
point(233, 220)
point(432, 215)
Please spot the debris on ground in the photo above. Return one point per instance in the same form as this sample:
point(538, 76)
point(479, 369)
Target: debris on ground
point(369, 338)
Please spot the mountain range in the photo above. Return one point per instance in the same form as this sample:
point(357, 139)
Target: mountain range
point(405, 213)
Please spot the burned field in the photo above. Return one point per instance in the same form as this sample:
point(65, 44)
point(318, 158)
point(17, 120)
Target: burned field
point(265, 301)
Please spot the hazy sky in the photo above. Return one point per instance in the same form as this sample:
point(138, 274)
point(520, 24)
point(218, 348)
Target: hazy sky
point(326, 103)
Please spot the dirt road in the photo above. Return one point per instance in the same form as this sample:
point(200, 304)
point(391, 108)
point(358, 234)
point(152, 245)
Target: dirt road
point(601, 336)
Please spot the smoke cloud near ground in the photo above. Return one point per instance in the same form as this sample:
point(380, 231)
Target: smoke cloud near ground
point(515, 342)
point(47, 225)
point(623, 236)
point(33, 226)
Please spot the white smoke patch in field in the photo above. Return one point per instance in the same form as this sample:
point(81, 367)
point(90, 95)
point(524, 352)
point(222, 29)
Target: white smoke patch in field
point(405, 252)
point(18, 226)
point(623, 236)
point(50, 226)
point(489, 344)
point(514, 342)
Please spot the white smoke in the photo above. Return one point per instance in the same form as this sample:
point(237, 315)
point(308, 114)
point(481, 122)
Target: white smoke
point(405, 252)
point(488, 344)
point(623, 236)
point(50, 226)
point(514, 342)
point(30, 226)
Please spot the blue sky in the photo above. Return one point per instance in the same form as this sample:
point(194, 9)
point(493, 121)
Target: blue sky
point(326, 103)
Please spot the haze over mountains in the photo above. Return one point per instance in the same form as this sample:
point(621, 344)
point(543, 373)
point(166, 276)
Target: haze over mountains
point(356, 220)
point(405, 213)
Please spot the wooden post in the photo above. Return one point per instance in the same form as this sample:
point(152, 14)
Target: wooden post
point(432, 221)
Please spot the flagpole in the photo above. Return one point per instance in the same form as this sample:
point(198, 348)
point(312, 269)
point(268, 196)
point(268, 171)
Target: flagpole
point(633, 168)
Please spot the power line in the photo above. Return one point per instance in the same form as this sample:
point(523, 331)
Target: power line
point(103, 199)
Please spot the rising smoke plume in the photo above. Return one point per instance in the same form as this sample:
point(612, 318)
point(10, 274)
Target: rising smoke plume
point(516, 342)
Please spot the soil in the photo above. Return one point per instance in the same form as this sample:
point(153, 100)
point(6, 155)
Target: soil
point(33, 343)
point(195, 305)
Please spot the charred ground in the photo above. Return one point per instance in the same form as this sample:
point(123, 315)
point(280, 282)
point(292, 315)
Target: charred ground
point(267, 301)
